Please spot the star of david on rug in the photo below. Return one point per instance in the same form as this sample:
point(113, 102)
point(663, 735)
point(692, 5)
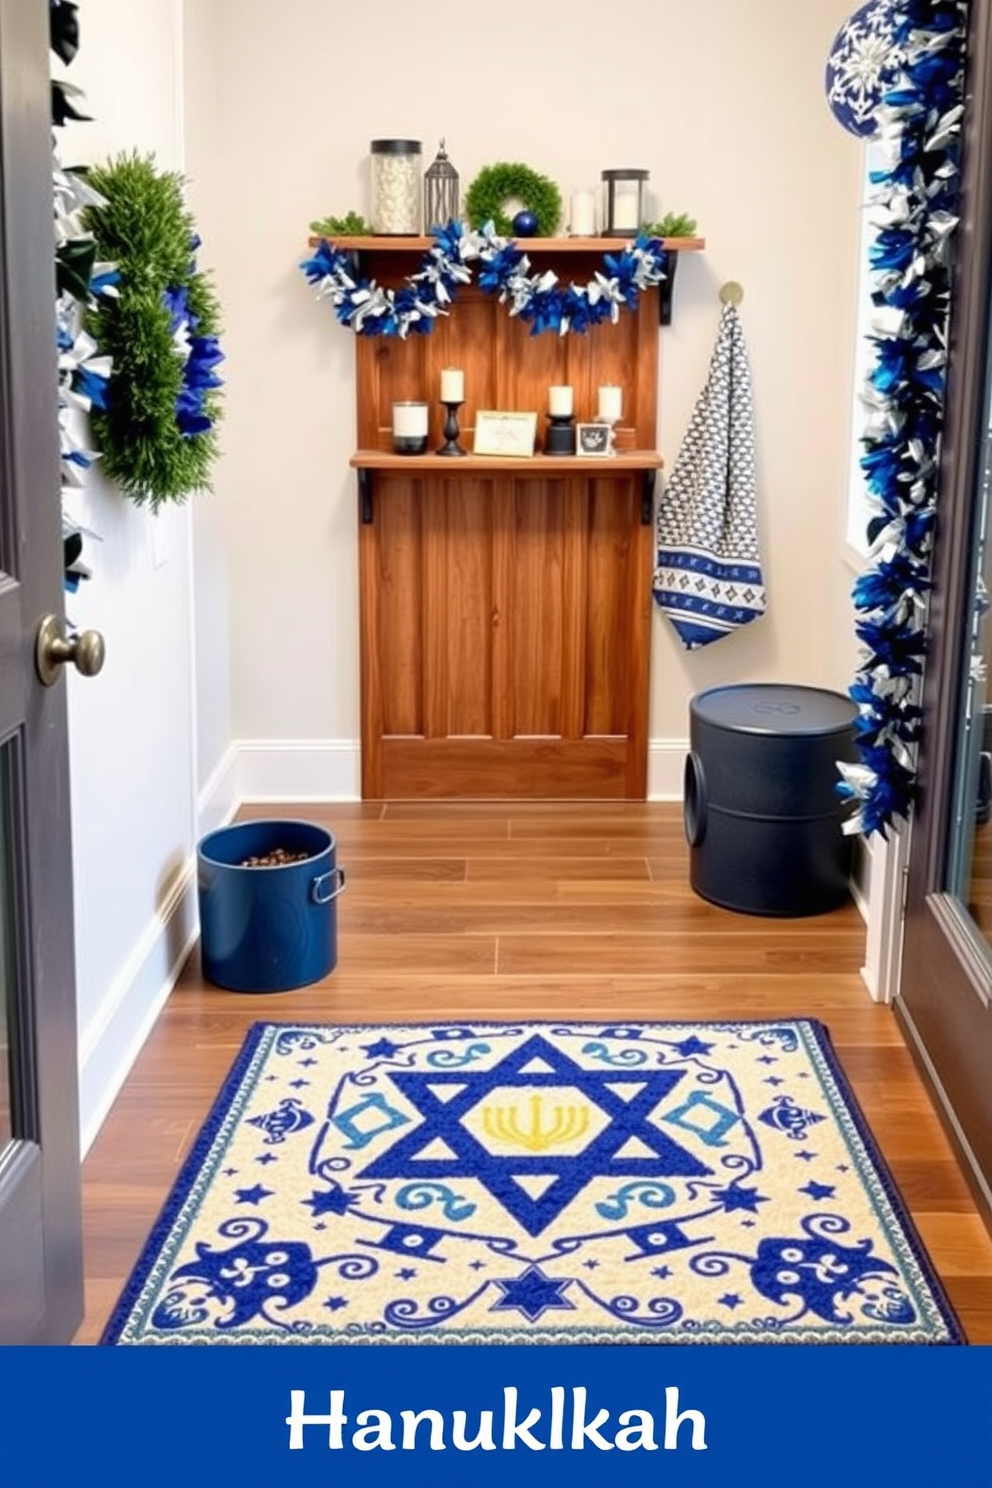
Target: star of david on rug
point(534, 1183)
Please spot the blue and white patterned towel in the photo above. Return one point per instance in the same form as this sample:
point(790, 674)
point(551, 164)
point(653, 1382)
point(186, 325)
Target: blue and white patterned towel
point(708, 577)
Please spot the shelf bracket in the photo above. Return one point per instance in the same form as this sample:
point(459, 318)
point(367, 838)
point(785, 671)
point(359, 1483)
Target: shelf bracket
point(365, 495)
point(666, 287)
point(647, 498)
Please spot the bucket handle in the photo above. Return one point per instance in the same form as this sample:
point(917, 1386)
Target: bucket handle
point(695, 800)
point(317, 887)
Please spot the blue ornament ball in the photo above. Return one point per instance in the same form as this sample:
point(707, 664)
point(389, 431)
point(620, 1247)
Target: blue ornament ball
point(525, 224)
point(862, 65)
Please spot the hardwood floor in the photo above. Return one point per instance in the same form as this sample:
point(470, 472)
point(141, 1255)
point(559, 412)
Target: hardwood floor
point(507, 910)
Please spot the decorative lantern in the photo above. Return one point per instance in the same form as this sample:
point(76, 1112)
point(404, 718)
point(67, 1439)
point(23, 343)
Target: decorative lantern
point(396, 187)
point(623, 209)
point(440, 192)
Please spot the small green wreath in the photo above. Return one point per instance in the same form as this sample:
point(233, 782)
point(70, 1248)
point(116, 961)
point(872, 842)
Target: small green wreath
point(497, 184)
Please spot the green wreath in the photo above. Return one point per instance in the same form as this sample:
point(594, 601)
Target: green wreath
point(156, 433)
point(497, 184)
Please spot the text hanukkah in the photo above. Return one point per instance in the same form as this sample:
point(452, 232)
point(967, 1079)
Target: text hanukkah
point(380, 1430)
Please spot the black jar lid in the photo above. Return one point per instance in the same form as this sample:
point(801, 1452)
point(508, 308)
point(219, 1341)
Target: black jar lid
point(625, 175)
point(395, 147)
point(774, 708)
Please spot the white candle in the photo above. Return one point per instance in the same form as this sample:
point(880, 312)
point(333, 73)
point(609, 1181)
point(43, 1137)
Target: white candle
point(410, 420)
point(625, 210)
point(610, 402)
point(452, 385)
point(560, 402)
point(583, 215)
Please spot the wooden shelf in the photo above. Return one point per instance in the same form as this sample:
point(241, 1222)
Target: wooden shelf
point(369, 463)
point(505, 603)
point(529, 245)
point(536, 465)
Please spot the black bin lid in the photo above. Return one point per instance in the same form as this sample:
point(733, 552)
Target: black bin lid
point(774, 708)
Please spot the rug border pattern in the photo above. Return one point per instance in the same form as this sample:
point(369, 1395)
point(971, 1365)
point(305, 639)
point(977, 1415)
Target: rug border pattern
point(183, 1201)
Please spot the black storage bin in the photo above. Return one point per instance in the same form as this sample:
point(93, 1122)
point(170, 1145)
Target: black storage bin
point(761, 810)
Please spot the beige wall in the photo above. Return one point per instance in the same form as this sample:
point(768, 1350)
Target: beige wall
point(721, 99)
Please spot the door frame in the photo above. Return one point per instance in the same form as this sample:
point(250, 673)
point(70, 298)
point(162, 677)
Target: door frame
point(938, 939)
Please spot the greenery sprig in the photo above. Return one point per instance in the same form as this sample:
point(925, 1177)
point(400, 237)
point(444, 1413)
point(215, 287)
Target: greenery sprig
point(352, 225)
point(672, 225)
point(157, 431)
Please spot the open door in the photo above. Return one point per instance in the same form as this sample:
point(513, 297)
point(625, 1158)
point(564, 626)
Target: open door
point(945, 997)
point(40, 1230)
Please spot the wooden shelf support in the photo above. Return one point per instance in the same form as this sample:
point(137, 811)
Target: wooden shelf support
point(667, 289)
point(647, 497)
point(365, 479)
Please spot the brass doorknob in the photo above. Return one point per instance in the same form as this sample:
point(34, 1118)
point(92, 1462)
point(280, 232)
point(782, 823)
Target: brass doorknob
point(86, 651)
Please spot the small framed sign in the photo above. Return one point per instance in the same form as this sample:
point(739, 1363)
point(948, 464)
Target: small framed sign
point(504, 433)
point(593, 439)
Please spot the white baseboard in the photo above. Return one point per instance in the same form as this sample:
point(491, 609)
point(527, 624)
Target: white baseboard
point(111, 1043)
point(331, 770)
point(884, 912)
point(861, 867)
point(221, 795)
point(299, 769)
point(666, 767)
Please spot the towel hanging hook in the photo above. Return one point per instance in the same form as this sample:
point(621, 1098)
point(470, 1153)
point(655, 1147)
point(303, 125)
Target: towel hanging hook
point(731, 293)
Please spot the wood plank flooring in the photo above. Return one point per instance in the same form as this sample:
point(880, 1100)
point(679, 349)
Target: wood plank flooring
point(507, 910)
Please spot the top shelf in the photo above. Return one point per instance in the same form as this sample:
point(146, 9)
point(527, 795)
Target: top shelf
point(529, 245)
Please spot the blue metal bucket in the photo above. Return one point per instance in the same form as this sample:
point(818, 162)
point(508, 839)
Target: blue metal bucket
point(268, 929)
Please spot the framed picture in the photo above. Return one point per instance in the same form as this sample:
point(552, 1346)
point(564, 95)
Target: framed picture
point(504, 433)
point(593, 439)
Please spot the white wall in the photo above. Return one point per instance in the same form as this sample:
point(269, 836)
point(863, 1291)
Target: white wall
point(132, 728)
point(723, 101)
point(204, 102)
point(776, 184)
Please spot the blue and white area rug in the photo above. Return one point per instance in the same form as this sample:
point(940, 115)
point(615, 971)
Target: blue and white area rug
point(534, 1183)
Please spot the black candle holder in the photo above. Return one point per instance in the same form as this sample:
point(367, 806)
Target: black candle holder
point(560, 438)
point(450, 430)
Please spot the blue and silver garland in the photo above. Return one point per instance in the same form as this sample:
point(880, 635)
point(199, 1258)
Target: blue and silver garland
point(200, 355)
point(915, 203)
point(505, 271)
point(83, 372)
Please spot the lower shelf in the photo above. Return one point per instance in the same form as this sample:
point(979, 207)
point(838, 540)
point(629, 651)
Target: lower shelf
point(536, 466)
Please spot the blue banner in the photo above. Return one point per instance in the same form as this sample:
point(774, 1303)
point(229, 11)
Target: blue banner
point(452, 1415)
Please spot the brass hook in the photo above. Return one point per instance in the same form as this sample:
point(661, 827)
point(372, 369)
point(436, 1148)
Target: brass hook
point(731, 293)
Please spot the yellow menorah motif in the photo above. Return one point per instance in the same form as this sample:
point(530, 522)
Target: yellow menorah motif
point(504, 1123)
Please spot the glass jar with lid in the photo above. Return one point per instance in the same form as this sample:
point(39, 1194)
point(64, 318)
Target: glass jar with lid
point(396, 187)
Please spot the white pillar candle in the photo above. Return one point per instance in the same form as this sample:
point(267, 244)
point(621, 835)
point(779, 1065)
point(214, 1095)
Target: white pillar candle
point(583, 215)
point(610, 402)
point(560, 402)
point(452, 385)
point(410, 420)
point(625, 210)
